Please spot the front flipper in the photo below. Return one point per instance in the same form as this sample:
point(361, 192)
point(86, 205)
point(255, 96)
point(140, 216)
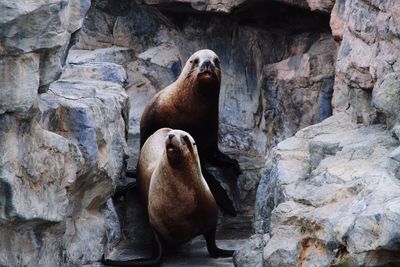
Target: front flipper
point(219, 193)
point(212, 248)
point(220, 159)
point(131, 173)
point(122, 190)
point(155, 260)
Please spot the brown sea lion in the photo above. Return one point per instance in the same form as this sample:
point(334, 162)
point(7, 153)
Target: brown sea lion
point(179, 202)
point(191, 104)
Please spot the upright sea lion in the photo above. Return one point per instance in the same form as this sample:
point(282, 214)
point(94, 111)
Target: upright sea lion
point(191, 104)
point(179, 202)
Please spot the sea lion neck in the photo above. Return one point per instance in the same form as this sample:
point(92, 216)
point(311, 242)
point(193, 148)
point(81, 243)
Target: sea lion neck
point(207, 92)
point(184, 170)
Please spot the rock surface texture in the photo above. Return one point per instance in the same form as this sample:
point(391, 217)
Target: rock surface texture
point(330, 194)
point(61, 151)
point(75, 76)
point(332, 197)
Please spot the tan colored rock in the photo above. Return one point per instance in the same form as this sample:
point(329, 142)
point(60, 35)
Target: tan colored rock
point(313, 5)
point(321, 5)
point(337, 20)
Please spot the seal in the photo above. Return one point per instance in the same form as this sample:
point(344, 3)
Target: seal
point(191, 104)
point(179, 202)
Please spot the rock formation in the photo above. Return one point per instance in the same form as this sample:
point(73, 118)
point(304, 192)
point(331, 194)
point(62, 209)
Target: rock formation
point(75, 76)
point(329, 196)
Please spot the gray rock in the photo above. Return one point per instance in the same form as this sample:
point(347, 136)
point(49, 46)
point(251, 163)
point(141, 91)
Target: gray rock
point(113, 225)
point(395, 154)
point(89, 113)
point(250, 254)
point(228, 6)
point(24, 28)
point(224, 6)
point(385, 98)
point(64, 154)
point(103, 71)
point(19, 80)
point(117, 55)
point(366, 55)
point(97, 31)
point(327, 189)
point(319, 5)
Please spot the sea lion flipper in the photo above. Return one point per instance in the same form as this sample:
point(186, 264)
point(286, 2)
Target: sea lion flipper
point(221, 159)
point(219, 193)
point(123, 189)
point(212, 248)
point(131, 173)
point(156, 259)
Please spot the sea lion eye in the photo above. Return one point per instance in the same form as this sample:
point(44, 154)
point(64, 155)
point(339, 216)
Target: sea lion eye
point(194, 144)
point(216, 61)
point(196, 61)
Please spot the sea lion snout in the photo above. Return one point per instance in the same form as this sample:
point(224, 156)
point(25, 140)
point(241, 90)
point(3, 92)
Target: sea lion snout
point(207, 65)
point(177, 145)
point(173, 148)
point(172, 144)
point(207, 70)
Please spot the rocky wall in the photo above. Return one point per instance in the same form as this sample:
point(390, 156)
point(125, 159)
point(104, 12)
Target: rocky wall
point(62, 138)
point(329, 196)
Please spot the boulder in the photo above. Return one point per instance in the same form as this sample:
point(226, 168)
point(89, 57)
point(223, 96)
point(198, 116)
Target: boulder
point(330, 197)
point(366, 55)
point(64, 155)
point(24, 28)
point(19, 82)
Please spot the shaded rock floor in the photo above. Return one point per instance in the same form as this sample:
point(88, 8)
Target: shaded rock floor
point(231, 234)
point(195, 254)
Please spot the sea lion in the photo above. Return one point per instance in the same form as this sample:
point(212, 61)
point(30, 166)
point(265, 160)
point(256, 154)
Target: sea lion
point(191, 104)
point(179, 202)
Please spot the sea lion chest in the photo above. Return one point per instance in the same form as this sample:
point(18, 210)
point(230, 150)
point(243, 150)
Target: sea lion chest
point(195, 115)
point(180, 208)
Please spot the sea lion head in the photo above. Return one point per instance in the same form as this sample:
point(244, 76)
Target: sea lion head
point(180, 148)
point(205, 66)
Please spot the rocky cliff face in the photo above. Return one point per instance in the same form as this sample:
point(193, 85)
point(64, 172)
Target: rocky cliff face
point(75, 77)
point(62, 151)
point(329, 196)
